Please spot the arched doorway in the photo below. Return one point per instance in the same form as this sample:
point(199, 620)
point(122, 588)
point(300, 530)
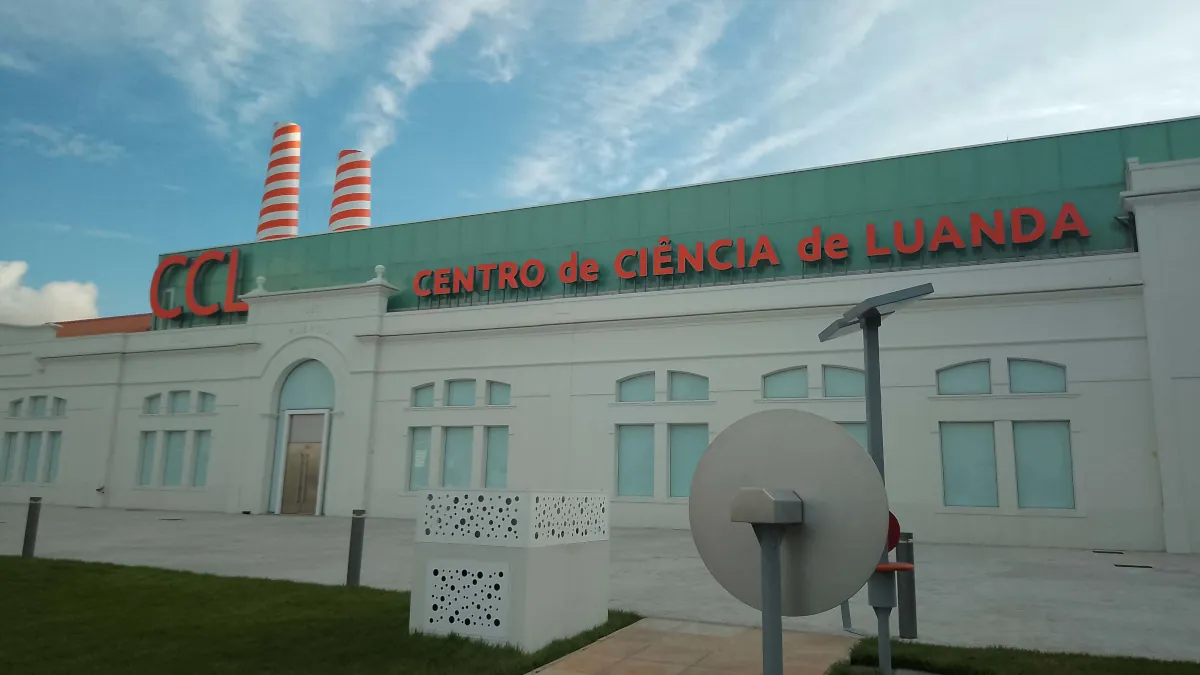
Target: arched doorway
point(302, 440)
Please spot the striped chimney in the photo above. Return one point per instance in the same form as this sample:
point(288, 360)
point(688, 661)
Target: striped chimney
point(279, 217)
point(351, 192)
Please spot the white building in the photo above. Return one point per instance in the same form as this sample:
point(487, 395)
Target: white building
point(1049, 401)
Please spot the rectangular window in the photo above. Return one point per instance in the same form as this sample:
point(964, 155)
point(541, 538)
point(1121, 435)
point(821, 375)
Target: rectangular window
point(423, 396)
point(146, 457)
point(151, 405)
point(207, 403)
point(33, 456)
point(202, 450)
point(1043, 454)
point(54, 447)
point(37, 406)
point(60, 407)
point(457, 454)
point(969, 463)
point(460, 393)
point(498, 393)
point(635, 460)
point(497, 458)
point(179, 402)
point(856, 429)
point(173, 458)
point(14, 408)
point(686, 442)
point(418, 457)
point(8, 456)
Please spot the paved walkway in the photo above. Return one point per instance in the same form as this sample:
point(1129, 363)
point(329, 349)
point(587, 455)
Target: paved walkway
point(1050, 599)
point(662, 647)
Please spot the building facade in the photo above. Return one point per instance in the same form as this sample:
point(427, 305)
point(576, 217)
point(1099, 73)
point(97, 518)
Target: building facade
point(1044, 395)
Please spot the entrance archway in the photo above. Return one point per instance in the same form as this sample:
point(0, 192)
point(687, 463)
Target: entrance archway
point(302, 440)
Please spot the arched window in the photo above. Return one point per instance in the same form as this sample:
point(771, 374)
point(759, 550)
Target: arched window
point(841, 382)
point(150, 405)
point(37, 406)
point(686, 387)
point(14, 408)
point(207, 403)
point(422, 396)
point(636, 388)
point(179, 402)
point(460, 393)
point(1026, 376)
point(787, 383)
point(974, 377)
point(60, 407)
point(498, 393)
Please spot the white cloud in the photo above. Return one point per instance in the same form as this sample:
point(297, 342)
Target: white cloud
point(55, 301)
point(654, 180)
point(53, 142)
point(17, 63)
point(92, 232)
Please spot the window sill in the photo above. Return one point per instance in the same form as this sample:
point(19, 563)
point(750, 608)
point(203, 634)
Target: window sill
point(992, 397)
point(423, 408)
point(1009, 513)
point(648, 404)
point(168, 488)
point(178, 415)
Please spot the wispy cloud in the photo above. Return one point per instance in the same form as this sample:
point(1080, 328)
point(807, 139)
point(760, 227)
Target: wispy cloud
point(17, 63)
point(91, 232)
point(172, 187)
point(60, 142)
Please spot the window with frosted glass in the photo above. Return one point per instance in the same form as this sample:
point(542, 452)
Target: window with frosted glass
point(1043, 454)
point(687, 387)
point(498, 393)
point(53, 448)
point(422, 396)
point(856, 429)
point(173, 458)
point(8, 456)
point(496, 465)
point(790, 383)
point(60, 407)
point(150, 407)
point(636, 389)
point(418, 457)
point(146, 457)
point(460, 392)
point(844, 382)
point(686, 443)
point(1036, 377)
point(965, 378)
point(33, 456)
point(179, 402)
point(14, 408)
point(203, 448)
point(635, 460)
point(969, 463)
point(457, 455)
point(37, 406)
point(207, 403)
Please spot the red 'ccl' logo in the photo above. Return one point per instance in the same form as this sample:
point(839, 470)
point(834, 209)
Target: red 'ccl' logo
point(231, 304)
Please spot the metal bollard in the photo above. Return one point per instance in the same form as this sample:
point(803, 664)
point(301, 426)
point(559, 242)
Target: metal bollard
point(32, 516)
point(906, 590)
point(354, 567)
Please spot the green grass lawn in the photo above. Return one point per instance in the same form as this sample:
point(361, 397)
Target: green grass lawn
point(60, 616)
point(864, 658)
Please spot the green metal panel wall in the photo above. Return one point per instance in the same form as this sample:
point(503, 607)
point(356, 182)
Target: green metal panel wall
point(1084, 168)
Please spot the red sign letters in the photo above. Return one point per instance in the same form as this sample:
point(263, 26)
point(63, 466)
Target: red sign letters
point(231, 304)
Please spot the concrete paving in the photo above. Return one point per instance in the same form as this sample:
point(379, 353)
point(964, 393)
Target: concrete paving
point(1050, 599)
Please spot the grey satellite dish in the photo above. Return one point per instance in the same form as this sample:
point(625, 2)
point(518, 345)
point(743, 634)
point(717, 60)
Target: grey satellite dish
point(795, 483)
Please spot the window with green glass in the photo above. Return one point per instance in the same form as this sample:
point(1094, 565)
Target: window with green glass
point(60, 407)
point(53, 449)
point(635, 460)
point(636, 389)
point(33, 457)
point(8, 456)
point(686, 387)
point(418, 457)
point(179, 402)
point(789, 383)
point(965, 378)
point(1036, 377)
point(146, 453)
point(856, 429)
point(969, 463)
point(496, 464)
point(844, 382)
point(14, 408)
point(498, 393)
point(151, 404)
point(37, 406)
point(457, 455)
point(460, 393)
point(1045, 479)
point(422, 396)
point(207, 403)
point(200, 456)
point(686, 444)
point(173, 447)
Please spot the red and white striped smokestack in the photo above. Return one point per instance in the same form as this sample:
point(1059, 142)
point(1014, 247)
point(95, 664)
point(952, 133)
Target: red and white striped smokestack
point(351, 192)
point(279, 217)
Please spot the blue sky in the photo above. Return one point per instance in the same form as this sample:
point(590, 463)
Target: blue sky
point(129, 128)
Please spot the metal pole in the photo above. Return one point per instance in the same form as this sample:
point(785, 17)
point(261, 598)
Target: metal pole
point(885, 642)
point(32, 516)
point(769, 538)
point(354, 566)
point(870, 331)
point(847, 624)
point(906, 587)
